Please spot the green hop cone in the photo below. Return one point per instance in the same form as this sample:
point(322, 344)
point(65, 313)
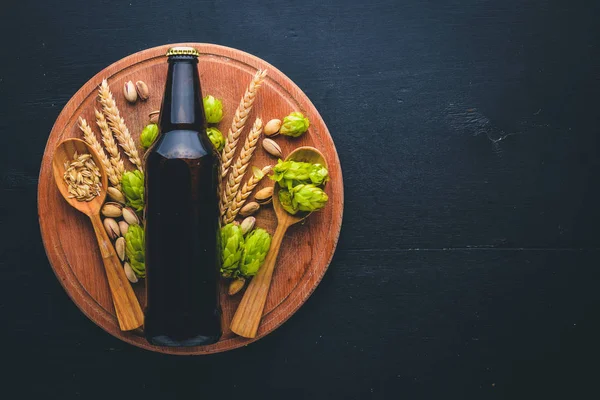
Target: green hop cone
point(285, 198)
point(135, 248)
point(308, 197)
point(216, 137)
point(318, 174)
point(213, 109)
point(132, 184)
point(232, 246)
point(256, 248)
point(294, 125)
point(291, 173)
point(148, 135)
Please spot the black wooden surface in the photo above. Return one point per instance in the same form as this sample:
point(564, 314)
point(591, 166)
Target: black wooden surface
point(468, 261)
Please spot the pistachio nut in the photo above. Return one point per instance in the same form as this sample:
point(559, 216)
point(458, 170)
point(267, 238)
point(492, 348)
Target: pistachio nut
point(129, 273)
point(249, 209)
point(142, 90)
point(123, 227)
point(120, 248)
point(129, 92)
point(154, 116)
point(247, 224)
point(264, 196)
point(112, 228)
point(112, 209)
point(236, 285)
point(115, 194)
point(130, 216)
point(272, 127)
point(272, 147)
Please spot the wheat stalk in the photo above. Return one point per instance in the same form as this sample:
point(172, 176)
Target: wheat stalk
point(238, 170)
point(239, 120)
point(90, 139)
point(109, 144)
point(117, 125)
point(243, 194)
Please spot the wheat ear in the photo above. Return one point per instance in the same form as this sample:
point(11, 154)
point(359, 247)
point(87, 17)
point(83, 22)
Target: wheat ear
point(234, 180)
point(90, 139)
point(117, 125)
point(244, 192)
point(109, 144)
point(239, 120)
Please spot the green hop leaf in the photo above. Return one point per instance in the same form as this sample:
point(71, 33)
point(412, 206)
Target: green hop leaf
point(308, 197)
point(285, 198)
point(256, 248)
point(292, 173)
point(132, 184)
point(135, 248)
point(216, 137)
point(213, 109)
point(232, 246)
point(294, 125)
point(148, 135)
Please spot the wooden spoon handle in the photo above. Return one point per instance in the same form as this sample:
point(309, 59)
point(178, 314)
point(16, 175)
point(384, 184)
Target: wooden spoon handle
point(247, 317)
point(129, 312)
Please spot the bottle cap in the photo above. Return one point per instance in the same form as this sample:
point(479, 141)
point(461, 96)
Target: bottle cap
point(182, 51)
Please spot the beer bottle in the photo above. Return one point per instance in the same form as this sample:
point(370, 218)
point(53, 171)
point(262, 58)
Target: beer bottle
point(182, 216)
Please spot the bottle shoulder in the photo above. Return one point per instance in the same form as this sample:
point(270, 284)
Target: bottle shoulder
point(182, 143)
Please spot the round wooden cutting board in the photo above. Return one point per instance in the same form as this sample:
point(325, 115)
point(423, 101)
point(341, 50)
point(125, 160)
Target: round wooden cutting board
point(307, 248)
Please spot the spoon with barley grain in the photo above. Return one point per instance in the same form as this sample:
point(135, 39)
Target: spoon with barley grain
point(127, 307)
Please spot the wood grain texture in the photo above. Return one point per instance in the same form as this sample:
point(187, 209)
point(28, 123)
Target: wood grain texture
point(224, 73)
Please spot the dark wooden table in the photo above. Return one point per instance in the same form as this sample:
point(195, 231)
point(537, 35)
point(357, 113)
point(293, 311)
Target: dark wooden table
point(468, 261)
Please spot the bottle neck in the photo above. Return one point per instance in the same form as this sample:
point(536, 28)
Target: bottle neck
point(182, 102)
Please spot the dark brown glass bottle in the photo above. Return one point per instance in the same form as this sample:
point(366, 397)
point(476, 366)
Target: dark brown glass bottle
point(182, 216)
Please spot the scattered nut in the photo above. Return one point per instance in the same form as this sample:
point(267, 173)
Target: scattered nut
point(112, 210)
point(247, 224)
point(123, 227)
point(236, 285)
point(249, 209)
point(115, 194)
point(272, 147)
point(272, 127)
point(264, 196)
point(120, 248)
point(130, 216)
point(129, 92)
point(129, 273)
point(154, 115)
point(142, 90)
point(112, 228)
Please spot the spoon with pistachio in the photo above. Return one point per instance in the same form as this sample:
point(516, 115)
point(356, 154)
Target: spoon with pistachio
point(81, 179)
point(249, 313)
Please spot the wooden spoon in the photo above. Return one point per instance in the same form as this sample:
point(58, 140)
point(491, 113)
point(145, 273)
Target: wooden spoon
point(129, 312)
point(247, 317)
